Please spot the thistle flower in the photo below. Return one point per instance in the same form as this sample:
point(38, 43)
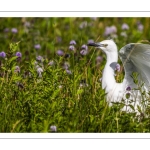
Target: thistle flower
point(66, 65)
point(140, 27)
point(37, 46)
point(58, 39)
point(71, 47)
point(18, 54)
point(83, 52)
point(117, 67)
point(14, 30)
point(84, 47)
point(113, 29)
point(39, 71)
point(60, 53)
point(110, 30)
point(68, 71)
point(83, 25)
point(53, 128)
point(27, 24)
point(17, 69)
point(72, 42)
point(93, 18)
point(90, 41)
point(51, 63)
point(39, 58)
point(128, 88)
point(99, 59)
point(125, 26)
point(6, 30)
point(2, 54)
point(107, 31)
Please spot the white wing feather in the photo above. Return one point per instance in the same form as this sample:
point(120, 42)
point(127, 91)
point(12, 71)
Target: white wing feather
point(136, 58)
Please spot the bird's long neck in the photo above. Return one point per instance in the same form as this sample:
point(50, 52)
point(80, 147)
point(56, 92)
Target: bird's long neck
point(108, 79)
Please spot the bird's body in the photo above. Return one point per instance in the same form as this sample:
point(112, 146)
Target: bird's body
point(132, 56)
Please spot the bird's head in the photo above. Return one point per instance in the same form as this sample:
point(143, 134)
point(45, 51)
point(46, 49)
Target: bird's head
point(106, 46)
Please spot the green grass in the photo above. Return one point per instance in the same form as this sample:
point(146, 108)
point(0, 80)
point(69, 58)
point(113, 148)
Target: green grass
point(32, 104)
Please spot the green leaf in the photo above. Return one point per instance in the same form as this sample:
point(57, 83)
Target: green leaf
point(139, 108)
point(13, 47)
point(131, 107)
point(12, 59)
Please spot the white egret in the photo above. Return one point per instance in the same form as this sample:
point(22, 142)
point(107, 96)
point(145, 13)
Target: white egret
point(135, 58)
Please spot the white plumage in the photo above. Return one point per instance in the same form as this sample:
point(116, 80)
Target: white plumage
point(135, 58)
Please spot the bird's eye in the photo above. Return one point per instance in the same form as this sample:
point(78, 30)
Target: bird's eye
point(105, 45)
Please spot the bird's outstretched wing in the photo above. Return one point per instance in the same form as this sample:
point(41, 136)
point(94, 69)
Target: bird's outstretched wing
point(136, 58)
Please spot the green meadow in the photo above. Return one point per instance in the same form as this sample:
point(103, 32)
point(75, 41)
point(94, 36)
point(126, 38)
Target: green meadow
point(50, 80)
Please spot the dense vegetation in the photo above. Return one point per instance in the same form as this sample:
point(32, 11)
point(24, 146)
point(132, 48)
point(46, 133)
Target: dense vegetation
point(50, 80)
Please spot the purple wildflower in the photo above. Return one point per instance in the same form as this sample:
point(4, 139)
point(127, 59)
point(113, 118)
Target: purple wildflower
point(39, 58)
point(58, 39)
point(14, 30)
point(51, 63)
point(83, 24)
point(27, 24)
point(140, 27)
point(107, 31)
point(93, 18)
point(83, 52)
point(18, 54)
point(99, 59)
point(37, 46)
point(53, 128)
point(117, 67)
point(72, 42)
point(84, 47)
point(113, 29)
point(39, 71)
point(68, 71)
point(125, 26)
point(71, 47)
point(60, 53)
point(128, 88)
point(17, 69)
point(66, 65)
point(6, 30)
point(2, 54)
point(110, 30)
point(90, 41)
